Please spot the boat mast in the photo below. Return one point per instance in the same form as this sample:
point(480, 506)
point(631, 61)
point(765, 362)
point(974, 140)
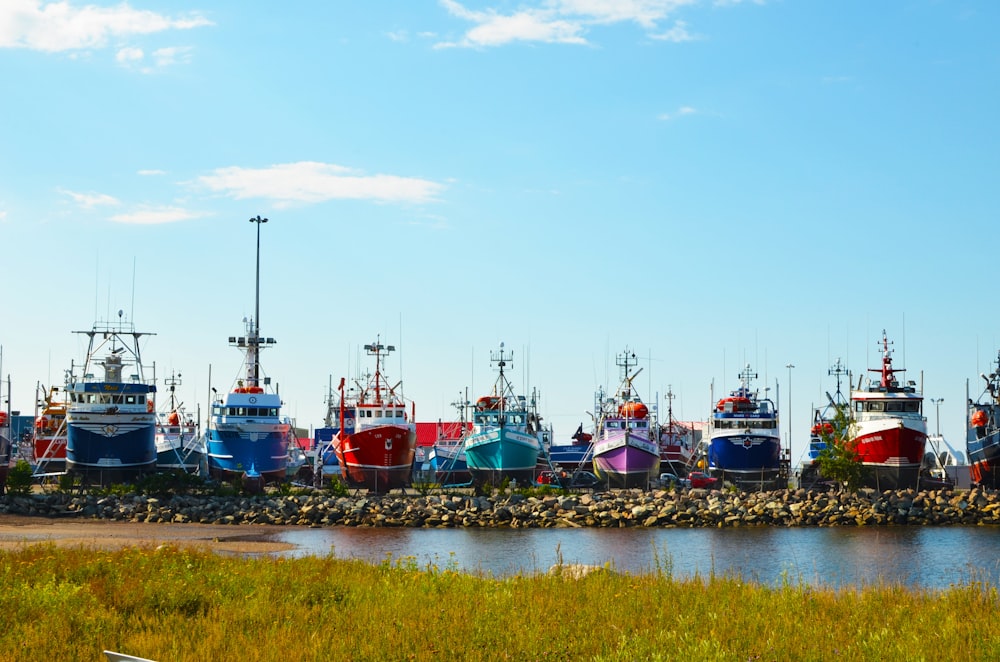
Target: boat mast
point(501, 359)
point(377, 349)
point(253, 350)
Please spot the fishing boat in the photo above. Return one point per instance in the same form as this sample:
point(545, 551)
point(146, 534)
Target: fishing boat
point(248, 437)
point(48, 438)
point(378, 454)
point(626, 444)
point(506, 437)
point(446, 458)
point(110, 418)
point(982, 441)
point(6, 449)
point(744, 443)
point(829, 426)
point(888, 429)
point(180, 445)
point(576, 454)
point(677, 442)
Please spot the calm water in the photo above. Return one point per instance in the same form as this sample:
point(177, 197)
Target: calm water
point(928, 557)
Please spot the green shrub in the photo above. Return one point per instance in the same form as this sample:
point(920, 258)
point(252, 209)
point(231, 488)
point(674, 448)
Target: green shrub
point(19, 478)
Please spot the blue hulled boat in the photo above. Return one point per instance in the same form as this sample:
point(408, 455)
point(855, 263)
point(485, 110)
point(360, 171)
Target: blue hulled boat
point(111, 419)
point(745, 445)
point(982, 442)
point(248, 438)
point(506, 437)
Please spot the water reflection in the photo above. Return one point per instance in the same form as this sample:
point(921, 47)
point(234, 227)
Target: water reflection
point(928, 557)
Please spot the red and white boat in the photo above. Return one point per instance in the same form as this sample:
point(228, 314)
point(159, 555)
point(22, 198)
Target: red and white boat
point(49, 436)
point(378, 453)
point(676, 442)
point(889, 428)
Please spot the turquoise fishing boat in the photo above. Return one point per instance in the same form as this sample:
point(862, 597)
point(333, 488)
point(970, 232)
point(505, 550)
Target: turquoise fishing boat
point(506, 437)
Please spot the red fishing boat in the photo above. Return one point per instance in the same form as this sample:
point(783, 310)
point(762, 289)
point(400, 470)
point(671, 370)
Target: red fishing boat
point(49, 436)
point(378, 452)
point(890, 431)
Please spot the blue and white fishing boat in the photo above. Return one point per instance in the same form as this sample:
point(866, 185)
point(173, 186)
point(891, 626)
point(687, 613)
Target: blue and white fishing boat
point(111, 418)
point(744, 442)
point(248, 438)
point(180, 446)
point(506, 436)
point(574, 455)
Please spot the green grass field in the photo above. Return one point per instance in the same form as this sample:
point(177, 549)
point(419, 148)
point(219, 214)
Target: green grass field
point(176, 604)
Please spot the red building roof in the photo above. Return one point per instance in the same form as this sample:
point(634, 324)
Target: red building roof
point(428, 433)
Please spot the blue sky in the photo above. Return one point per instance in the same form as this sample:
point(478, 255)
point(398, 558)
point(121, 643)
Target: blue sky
point(706, 183)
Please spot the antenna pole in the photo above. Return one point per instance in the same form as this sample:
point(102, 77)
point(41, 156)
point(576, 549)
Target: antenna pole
point(255, 327)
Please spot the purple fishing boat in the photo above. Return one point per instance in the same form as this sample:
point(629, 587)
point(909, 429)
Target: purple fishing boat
point(626, 450)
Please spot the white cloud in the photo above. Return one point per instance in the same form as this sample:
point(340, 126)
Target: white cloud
point(151, 172)
point(63, 26)
point(311, 182)
point(644, 12)
point(165, 57)
point(129, 55)
point(398, 35)
point(680, 112)
point(563, 21)
point(156, 216)
point(90, 200)
point(678, 34)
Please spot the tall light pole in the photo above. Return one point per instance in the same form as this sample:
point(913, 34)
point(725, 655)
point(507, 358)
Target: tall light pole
point(789, 366)
point(937, 411)
point(255, 330)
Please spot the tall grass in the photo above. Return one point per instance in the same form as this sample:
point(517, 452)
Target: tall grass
point(180, 604)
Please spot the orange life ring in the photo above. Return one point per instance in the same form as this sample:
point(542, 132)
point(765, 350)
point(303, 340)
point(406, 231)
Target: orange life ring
point(149, 406)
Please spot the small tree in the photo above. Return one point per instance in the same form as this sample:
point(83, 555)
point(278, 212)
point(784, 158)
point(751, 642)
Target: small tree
point(839, 461)
point(19, 478)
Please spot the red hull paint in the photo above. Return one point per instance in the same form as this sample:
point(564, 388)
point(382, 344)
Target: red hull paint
point(893, 457)
point(885, 446)
point(50, 448)
point(378, 458)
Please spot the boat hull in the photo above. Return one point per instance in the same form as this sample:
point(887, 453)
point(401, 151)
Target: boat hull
point(49, 453)
point(378, 459)
point(180, 449)
point(572, 457)
point(261, 448)
point(110, 447)
point(745, 458)
point(626, 461)
point(449, 464)
point(892, 454)
point(496, 454)
point(983, 449)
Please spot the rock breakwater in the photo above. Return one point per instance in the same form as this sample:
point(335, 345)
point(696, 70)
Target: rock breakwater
point(624, 508)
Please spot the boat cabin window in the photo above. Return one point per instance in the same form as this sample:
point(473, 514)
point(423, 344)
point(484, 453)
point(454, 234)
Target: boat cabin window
point(400, 414)
point(638, 425)
point(613, 425)
point(130, 399)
